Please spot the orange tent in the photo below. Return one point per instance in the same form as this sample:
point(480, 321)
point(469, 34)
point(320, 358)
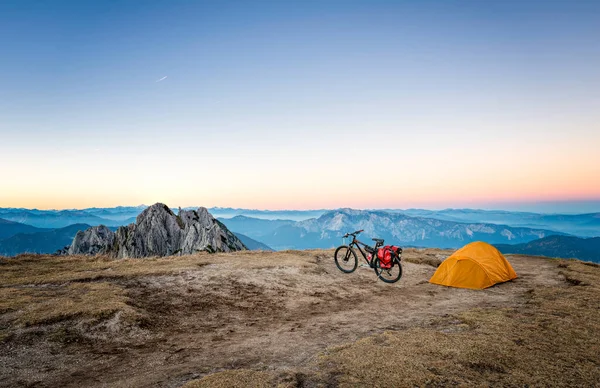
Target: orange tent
point(477, 265)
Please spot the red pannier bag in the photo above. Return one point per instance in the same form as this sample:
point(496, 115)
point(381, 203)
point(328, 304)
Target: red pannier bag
point(385, 256)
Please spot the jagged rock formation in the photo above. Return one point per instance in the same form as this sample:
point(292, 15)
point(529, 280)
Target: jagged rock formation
point(92, 241)
point(159, 232)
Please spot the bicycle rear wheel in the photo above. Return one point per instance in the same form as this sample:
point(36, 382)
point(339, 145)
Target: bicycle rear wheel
point(389, 275)
point(345, 259)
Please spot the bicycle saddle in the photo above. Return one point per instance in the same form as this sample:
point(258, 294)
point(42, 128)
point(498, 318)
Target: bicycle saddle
point(378, 240)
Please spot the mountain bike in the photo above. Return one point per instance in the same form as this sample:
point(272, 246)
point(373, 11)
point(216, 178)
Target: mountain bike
point(347, 260)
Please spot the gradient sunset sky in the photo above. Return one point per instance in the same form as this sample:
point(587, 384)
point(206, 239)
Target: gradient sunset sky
point(305, 104)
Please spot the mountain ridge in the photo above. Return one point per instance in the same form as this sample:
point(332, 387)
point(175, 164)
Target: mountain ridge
point(10, 228)
point(584, 224)
point(327, 230)
point(44, 242)
point(253, 244)
point(566, 247)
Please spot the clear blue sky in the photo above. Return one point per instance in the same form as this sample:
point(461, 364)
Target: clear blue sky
point(279, 104)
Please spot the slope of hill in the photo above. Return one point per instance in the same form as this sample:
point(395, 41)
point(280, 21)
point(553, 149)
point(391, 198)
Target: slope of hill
point(40, 242)
point(567, 247)
point(252, 244)
point(10, 228)
point(327, 230)
point(292, 319)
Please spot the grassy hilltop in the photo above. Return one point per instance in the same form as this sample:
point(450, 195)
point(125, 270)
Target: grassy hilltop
point(291, 319)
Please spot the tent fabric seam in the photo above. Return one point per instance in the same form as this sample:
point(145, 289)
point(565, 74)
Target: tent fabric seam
point(473, 261)
point(448, 271)
point(482, 267)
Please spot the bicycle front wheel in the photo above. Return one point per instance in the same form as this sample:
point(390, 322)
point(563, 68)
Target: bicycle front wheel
point(345, 259)
point(389, 275)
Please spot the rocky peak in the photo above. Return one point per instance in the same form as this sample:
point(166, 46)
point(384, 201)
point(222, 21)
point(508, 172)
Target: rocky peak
point(159, 232)
point(96, 239)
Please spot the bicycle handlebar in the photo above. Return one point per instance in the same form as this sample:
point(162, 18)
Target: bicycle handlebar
point(354, 233)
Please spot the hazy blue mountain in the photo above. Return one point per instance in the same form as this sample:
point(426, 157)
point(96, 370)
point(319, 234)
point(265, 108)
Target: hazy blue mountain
point(126, 214)
point(40, 242)
point(10, 228)
point(315, 228)
point(297, 237)
point(326, 231)
point(253, 227)
point(567, 247)
point(295, 215)
point(252, 244)
point(129, 221)
point(586, 225)
point(54, 218)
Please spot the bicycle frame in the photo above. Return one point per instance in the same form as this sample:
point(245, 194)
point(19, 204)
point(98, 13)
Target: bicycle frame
point(356, 243)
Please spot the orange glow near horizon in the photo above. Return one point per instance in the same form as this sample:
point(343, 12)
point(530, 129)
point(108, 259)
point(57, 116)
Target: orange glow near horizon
point(439, 192)
point(437, 181)
point(439, 169)
point(452, 197)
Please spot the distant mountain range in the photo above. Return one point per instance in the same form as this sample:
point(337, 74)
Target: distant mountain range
point(40, 242)
point(57, 219)
point(294, 215)
point(252, 244)
point(125, 215)
point(567, 247)
point(585, 225)
point(10, 228)
point(298, 229)
point(17, 238)
point(326, 231)
point(254, 227)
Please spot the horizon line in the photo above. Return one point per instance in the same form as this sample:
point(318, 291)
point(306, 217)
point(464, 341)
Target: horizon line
point(490, 207)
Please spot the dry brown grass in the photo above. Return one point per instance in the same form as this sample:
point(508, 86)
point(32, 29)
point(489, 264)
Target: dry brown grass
point(552, 339)
point(542, 330)
point(480, 347)
point(240, 378)
point(42, 269)
point(428, 256)
point(42, 289)
point(32, 306)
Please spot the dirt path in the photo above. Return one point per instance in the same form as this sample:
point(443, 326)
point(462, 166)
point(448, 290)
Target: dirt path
point(222, 316)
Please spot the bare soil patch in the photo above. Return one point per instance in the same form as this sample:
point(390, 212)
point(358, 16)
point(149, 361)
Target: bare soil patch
point(291, 319)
